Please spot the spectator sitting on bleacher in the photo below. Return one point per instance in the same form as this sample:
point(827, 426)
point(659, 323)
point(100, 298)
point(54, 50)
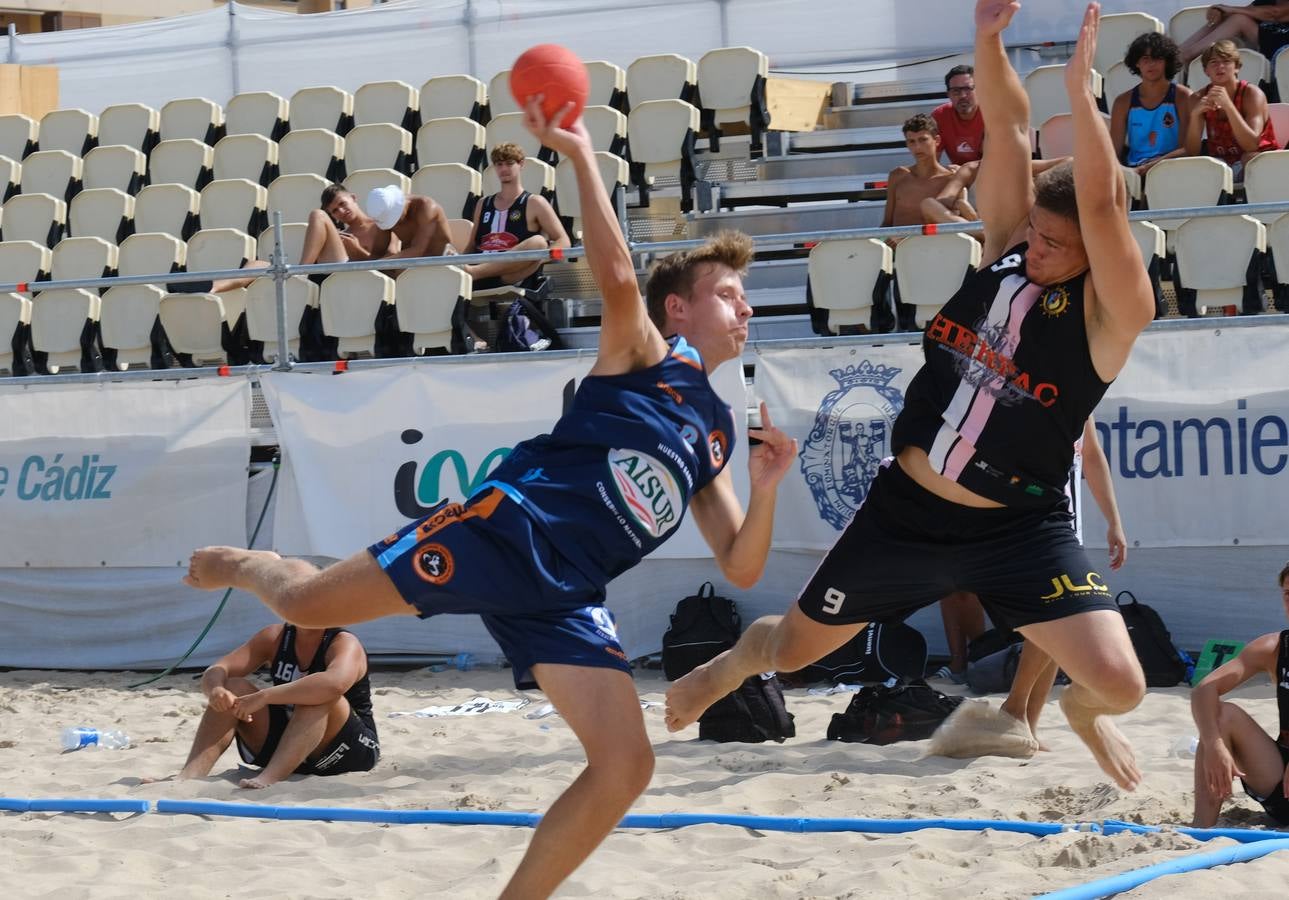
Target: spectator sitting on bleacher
point(339, 231)
point(962, 127)
point(1146, 122)
point(419, 224)
point(1233, 112)
point(927, 191)
point(1263, 25)
point(511, 219)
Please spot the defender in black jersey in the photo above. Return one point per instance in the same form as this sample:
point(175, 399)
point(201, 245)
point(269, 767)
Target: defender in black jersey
point(315, 719)
point(1015, 363)
point(1231, 742)
point(646, 439)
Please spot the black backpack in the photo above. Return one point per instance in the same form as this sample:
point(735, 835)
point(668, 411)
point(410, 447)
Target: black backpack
point(881, 652)
point(880, 714)
point(702, 627)
point(1163, 664)
point(752, 714)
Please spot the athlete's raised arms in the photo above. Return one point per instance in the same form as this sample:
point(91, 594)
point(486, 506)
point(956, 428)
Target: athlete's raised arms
point(628, 340)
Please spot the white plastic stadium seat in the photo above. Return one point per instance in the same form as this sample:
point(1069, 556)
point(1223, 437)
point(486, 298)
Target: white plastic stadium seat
point(1045, 86)
point(168, 208)
point(607, 128)
point(185, 161)
point(1280, 74)
point(425, 301)
point(508, 128)
point(361, 182)
point(446, 96)
point(115, 166)
point(663, 76)
point(350, 302)
point(614, 174)
point(843, 275)
point(73, 130)
point(10, 177)
point(131, 124)
point(378, 146)
point(58, 322)
point(83, 257)
point(1184, 182)
point(198, 323)
point(312, 151)
point(451, 140)
point(661, 134)
point(296, 196)
point(500, 100)
point(1116, 31)
point(1266, 180)
point(1118, 80)
point(731, 83)
point(1187, 21)
point(1213, 258)
point(33, 217)
point(1254, 67)
point(192, 117)
point(15, 317)
point(608, 83)
point(292, 242)
point(55, 172)
point(929, 269)
point(234, 203)
point(1278, 113)
point(260, 112)
point(151, 253)
point(456, 187)
point(392, 102)
point(127, 315)
point(536, 177)
point(1154, 247)
point(25, 261)
point(250, 156)
point(219, 248)
point(324, 106)
point(17, 135)
point(1056, 137)
point(261, 312)
point(1278, 244)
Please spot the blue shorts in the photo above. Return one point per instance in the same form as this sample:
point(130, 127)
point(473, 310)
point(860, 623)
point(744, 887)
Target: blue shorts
point(488, 558)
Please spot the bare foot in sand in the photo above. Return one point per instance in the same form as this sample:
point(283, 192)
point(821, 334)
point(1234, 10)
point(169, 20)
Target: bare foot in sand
point(146, 779)
point(258, 783)
point(1112, 751)
point(690, 697)
point(211, 568)
point(977, 729)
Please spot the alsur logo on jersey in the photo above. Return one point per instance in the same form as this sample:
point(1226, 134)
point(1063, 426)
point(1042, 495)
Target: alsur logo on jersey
point(648, 490)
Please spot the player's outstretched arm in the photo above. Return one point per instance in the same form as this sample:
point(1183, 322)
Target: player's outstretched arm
point(628, 340)
point(1004, 189)
point(1123, 302)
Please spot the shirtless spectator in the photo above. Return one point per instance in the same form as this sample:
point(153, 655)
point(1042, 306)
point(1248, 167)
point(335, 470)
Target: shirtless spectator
point(909, 188)
point(511, 219)
point(340, 231)
point(962, 128)
point(1262, 25)
point(419, 223)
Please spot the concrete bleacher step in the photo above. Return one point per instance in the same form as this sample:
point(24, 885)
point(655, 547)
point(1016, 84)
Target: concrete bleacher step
point(833, 139)
point(888, 91)
point(802, 217)
point(785, 191)
point(820, 165)
point(871, 115)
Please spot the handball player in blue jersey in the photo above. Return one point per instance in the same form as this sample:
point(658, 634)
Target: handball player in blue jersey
point(532, 549)
point(1014, 363)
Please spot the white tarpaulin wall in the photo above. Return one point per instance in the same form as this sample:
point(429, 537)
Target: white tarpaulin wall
point(216, 54)
point(367, 452)
point(120, 475)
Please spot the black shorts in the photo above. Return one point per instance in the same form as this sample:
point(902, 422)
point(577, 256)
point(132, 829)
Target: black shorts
point(354, 749)
point(1275, 804)
point(907, 548)
point(1271, 37)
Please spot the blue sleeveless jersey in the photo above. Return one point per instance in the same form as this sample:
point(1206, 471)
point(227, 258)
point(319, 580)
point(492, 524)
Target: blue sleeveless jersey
point(612, 480)
point(1152, 132)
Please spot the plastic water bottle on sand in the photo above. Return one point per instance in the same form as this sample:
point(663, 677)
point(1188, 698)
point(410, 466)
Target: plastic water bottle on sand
point(1184, 746)
point(81, 736)
point(463, 661)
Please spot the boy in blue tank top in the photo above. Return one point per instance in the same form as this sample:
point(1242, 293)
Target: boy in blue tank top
point(1014, 363)
point(531, 551)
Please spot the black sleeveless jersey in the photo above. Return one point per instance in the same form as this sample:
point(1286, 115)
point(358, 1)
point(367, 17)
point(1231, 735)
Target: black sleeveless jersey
point(1282, 684)
point(502, 229)
point(286, 668)
point(1006, 386)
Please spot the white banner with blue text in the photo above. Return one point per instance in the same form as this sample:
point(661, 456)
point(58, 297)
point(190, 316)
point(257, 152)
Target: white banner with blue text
point(133, 474)
point(1196, 430)
point(368, 451)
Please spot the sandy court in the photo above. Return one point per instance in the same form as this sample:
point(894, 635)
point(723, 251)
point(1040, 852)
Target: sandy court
point(504, 761)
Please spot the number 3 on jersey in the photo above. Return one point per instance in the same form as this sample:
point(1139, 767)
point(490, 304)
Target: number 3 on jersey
point(833, 599)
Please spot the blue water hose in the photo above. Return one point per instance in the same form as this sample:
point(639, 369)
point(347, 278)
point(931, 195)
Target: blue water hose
point(74, 804)
point(1126, 881)
point(1243, 835)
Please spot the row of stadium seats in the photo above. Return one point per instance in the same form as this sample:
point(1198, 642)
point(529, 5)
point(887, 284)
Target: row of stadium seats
point(848, 277)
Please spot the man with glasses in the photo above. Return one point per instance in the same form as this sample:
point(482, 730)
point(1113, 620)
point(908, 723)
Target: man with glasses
point(962, 128)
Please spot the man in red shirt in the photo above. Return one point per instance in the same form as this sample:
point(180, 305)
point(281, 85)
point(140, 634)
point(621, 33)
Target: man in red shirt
point(962, 128)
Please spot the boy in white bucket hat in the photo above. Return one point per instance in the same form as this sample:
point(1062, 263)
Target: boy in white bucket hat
point(418, 222)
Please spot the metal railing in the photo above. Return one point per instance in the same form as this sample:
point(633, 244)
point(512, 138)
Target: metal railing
point(280, 271)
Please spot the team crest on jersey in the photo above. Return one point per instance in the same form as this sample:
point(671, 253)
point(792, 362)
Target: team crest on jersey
point(514, 215)
point(433, 562)
point(718, 444)
point(1169, 121)
point(1055, 301)
point(603, 620)
point(850, 437)
point(689, 434)
point(648, 490)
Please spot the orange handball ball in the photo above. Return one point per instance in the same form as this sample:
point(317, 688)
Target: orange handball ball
point(556, 73)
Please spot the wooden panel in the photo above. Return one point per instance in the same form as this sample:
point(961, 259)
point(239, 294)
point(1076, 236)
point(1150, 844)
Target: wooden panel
point(796, 104)
point(30, 90)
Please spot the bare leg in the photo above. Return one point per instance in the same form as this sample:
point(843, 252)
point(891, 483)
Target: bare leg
point(1255, 753)
point(602, 708)
point(976, 729)
point(772, 643)
point(321, 241)
point(1031, 687)
point(228, 284)
point(215, 732)
point(310, 728)
point(1236, 26)
point(964, 621)
point(1095, 651)
point(510, 272)
point(350, 591)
